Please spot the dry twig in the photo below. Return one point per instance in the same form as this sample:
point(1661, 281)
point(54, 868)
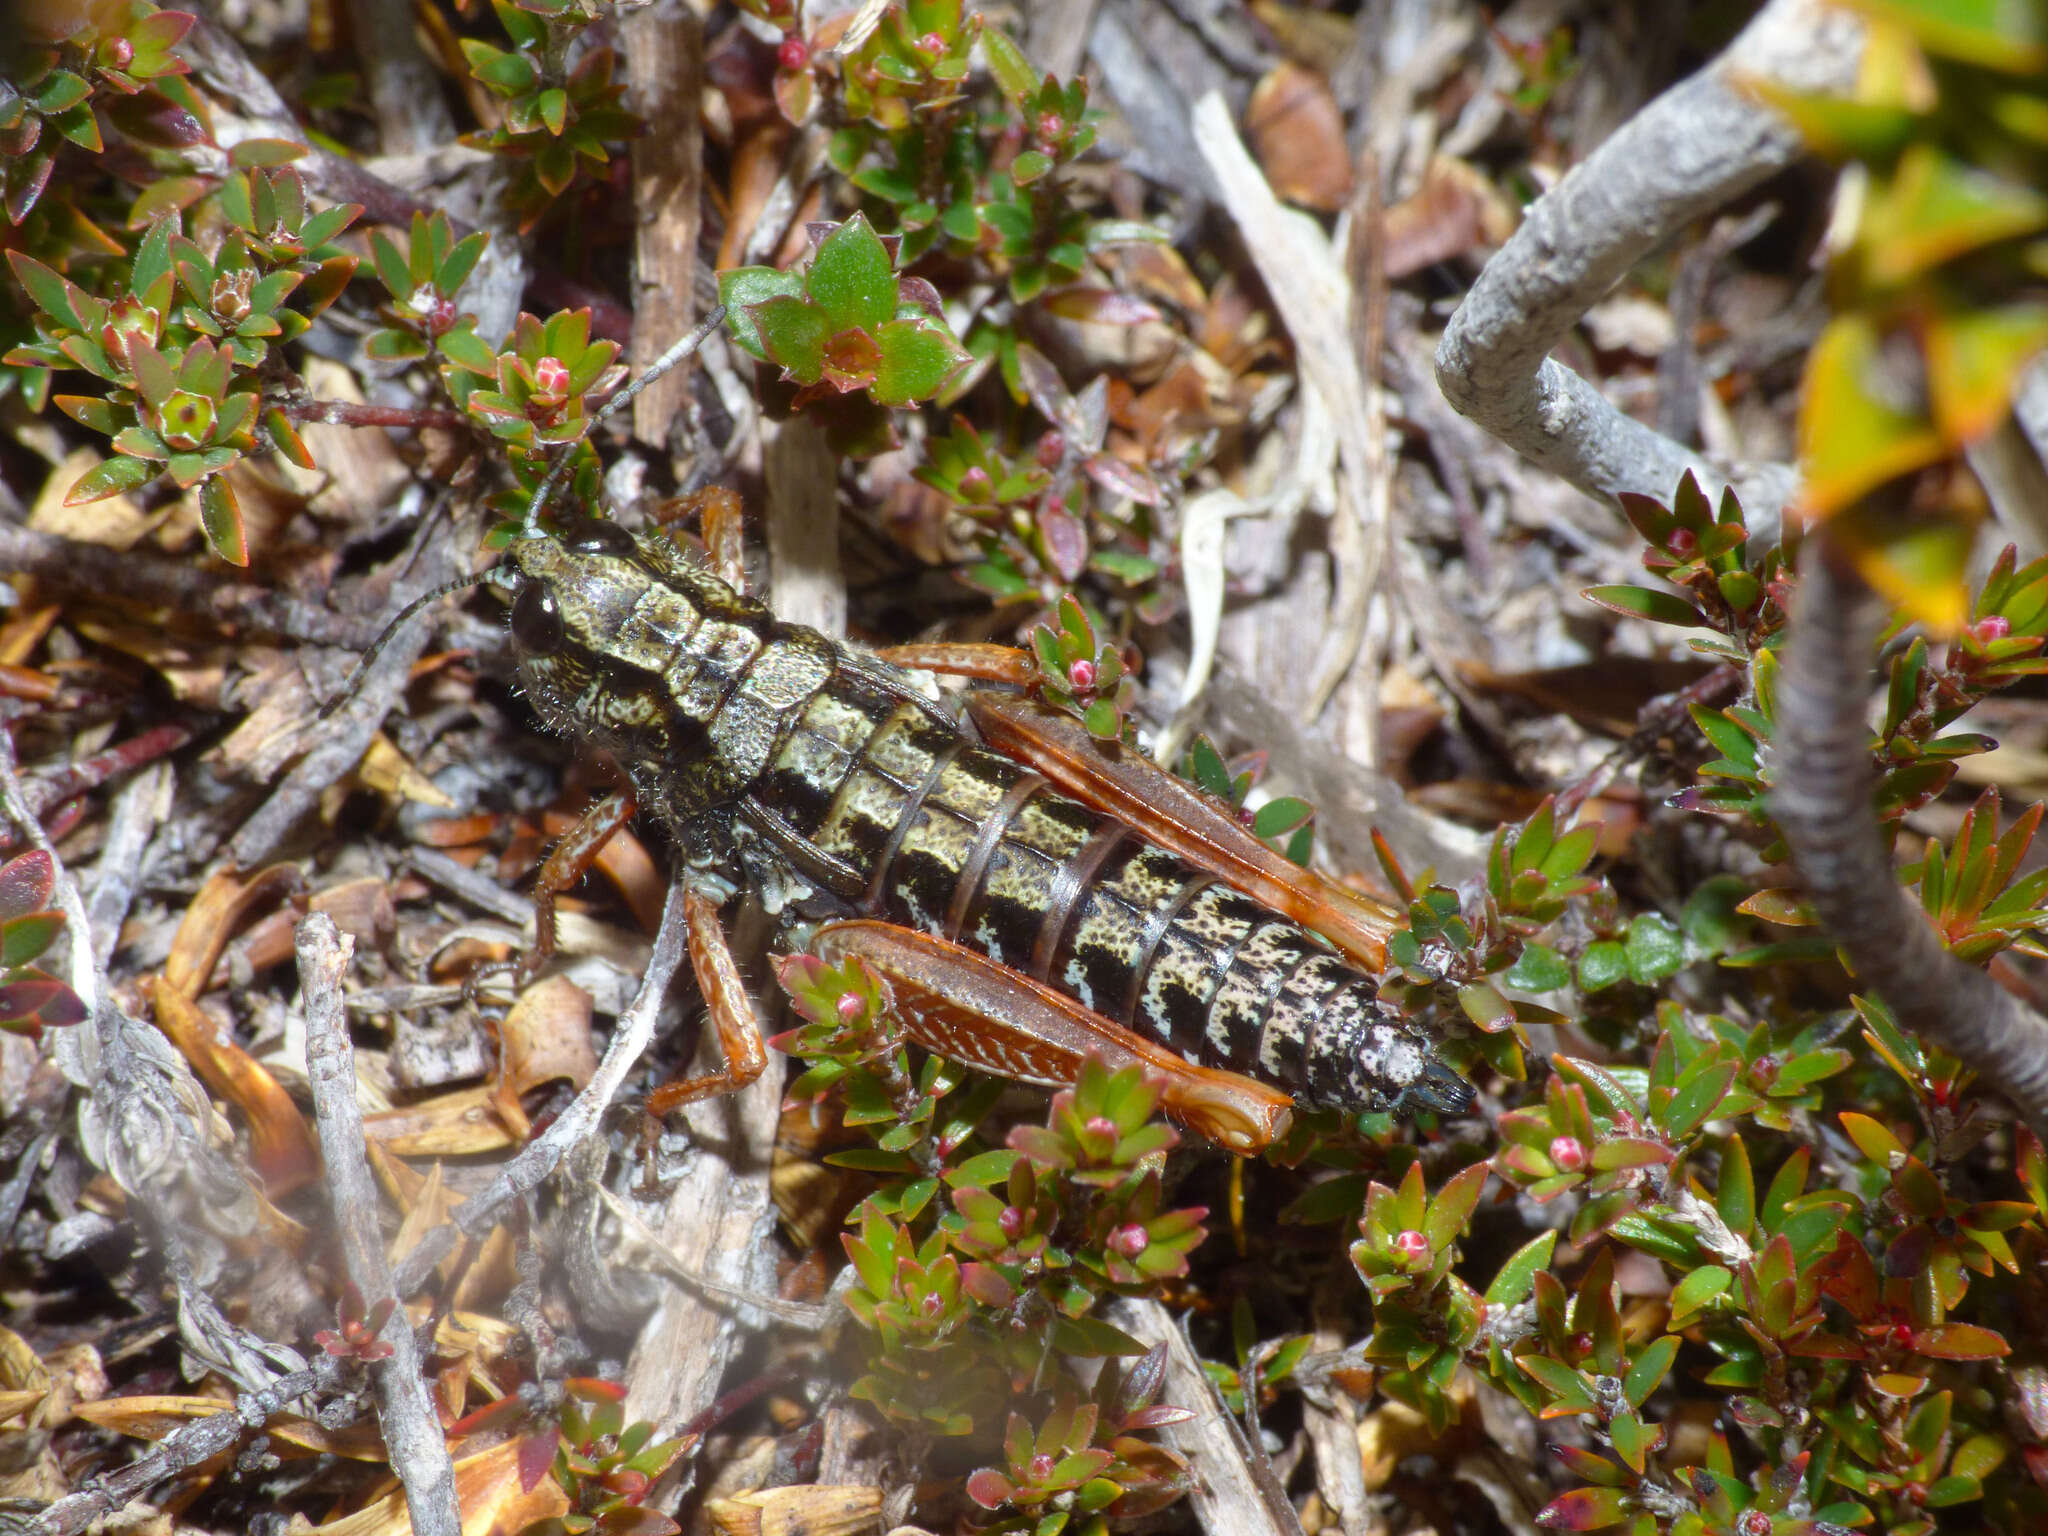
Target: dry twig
point(412, 1433)
point(1822, 803)
point(1697, 147)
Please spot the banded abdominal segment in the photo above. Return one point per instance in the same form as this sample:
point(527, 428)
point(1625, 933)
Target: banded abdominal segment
point(879, 799)
point(968, 845)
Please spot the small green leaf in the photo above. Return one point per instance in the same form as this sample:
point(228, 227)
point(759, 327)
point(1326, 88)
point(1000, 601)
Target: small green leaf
point(851, 280)
point(794, 334)
point(23, 938)
point(221, 516)
point(739, 290)
point(112, 478)
point(916, 358)
point(1006, 61)
point(1645, 603)
point(1602, 965)
point(1655, 948)
point(1540, 969)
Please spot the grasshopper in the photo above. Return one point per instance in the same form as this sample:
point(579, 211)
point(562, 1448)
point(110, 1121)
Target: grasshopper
point(1030, 895)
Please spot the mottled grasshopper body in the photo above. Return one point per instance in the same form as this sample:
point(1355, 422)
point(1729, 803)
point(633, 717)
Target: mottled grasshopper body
point(1019, 922)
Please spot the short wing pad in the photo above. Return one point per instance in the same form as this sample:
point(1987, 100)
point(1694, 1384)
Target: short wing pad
point(983, 1015)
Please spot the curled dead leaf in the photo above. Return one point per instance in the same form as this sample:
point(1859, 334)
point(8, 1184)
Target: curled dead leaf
point(216, 914)
point(458, 1124)
point(487, 1491)
point(1297, 132)
point(280, 1145)
point(388, 771)
point(545, 1036)
point(1455, 210)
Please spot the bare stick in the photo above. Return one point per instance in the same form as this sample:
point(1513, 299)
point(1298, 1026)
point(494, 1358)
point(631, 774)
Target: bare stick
point(412, 1433)
point(341, 745)
point(1697, 147)
point(186, 1446)
point(1822, 803)
point(138, 576)
point(541, 1155)
point(664, 53)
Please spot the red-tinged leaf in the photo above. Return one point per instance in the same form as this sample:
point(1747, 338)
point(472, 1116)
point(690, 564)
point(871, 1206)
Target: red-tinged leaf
point(988, 1488)
point(1156, 1417)
point(1629, 1152)
point(1065, 537)
point(23, 938)
point(284, 436)
point(1121, 479)
point(915, 358)
point(221, 516)
point(1959, 1341)
point(1786, 908)
point(632, 1520)
point(1589, 1466)
point(27, 882)
point(1585, 1509)
point(595, 1389)
point(851, 278)
point(1645, 603)
point(1873, 1140)
point(56, 295)
point(41, 1000)
point(1099, 306)
point(114, 477)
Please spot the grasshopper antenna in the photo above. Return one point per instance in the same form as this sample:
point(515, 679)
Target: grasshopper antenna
point(355, 679)
point(654, 370)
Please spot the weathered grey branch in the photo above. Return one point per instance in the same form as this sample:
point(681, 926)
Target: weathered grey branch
point(1823, 806)
point(187, 1446)
point(1701, 144)
point(412, 1432)
point(540, 1156)
point(1235, 1493)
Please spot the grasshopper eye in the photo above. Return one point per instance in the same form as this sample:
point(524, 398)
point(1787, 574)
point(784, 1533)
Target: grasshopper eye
point(536, 622)
point(600, 538)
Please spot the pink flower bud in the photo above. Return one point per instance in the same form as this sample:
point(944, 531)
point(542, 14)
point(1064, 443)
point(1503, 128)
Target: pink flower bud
point(1683, 543)
point(551, 376)
point(1103, 1126)
point(1753, 1522)
point(1041, 1467)
point(1011, 1221)
point(117, 53)
point(1130, 1240)
point(1051, 128)
point(1411, 1244)
point(1081, 674)
point(1993, 626)
point(1568, 1152)
point(932, 44)
point(976, 485)
point(849, 1007)
point(1052, 447)
point(794, 54)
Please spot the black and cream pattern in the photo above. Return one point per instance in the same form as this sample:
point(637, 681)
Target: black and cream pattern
point(722, 715)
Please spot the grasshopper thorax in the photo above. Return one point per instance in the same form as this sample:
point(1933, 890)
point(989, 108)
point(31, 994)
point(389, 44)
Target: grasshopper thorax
point(608, 630)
